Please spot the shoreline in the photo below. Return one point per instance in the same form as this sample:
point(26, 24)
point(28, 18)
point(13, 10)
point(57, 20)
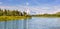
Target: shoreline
point(11, 18)
point(8, 18)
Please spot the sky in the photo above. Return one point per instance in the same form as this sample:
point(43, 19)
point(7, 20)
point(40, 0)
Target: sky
point(34, 6)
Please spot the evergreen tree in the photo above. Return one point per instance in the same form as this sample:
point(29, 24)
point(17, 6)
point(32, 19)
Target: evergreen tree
point(24, 13)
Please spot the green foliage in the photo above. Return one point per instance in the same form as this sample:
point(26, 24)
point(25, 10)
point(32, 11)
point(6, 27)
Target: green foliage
point(24, 13)
point(11, 13)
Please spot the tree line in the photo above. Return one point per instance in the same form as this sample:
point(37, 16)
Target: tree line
point(6, 12)
point(57, 14)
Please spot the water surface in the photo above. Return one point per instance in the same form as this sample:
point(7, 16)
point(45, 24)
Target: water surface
point(34, 23)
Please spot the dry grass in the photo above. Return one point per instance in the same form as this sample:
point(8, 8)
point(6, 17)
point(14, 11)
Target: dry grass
point(8, 18)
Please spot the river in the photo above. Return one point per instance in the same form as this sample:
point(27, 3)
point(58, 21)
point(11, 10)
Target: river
point(33, 23)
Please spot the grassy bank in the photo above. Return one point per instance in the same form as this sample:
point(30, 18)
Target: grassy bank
point(8, 18)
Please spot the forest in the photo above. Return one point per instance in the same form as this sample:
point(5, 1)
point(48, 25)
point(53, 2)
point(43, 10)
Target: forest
point(6, 15)
point(6, 12)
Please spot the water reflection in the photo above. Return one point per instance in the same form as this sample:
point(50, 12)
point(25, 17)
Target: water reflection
point(25, 23)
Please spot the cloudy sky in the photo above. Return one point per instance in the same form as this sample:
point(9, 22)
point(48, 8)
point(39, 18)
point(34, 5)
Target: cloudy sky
point(34, 6)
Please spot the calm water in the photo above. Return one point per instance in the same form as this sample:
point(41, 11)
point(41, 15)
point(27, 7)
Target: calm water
point(34, 23)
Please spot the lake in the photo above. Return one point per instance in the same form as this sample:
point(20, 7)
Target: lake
point(32, 23)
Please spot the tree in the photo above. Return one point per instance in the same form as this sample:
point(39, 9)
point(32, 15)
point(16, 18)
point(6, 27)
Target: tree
point(1, 12)
point(24, 13)
point(17, 12)
point(5, 12)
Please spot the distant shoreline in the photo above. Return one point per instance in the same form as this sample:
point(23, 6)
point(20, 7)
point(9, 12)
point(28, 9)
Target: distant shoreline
point(44, 16)
point(47, 15)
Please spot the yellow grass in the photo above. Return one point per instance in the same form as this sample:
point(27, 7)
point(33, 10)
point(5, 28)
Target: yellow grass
point(7, 18)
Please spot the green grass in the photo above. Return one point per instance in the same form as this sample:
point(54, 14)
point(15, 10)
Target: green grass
point(10, 18)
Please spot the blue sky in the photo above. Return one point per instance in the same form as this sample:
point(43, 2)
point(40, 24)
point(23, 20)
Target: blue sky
point(31, 2)
point(35, 6)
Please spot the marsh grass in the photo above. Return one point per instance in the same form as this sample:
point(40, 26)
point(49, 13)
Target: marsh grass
point(10, 18)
